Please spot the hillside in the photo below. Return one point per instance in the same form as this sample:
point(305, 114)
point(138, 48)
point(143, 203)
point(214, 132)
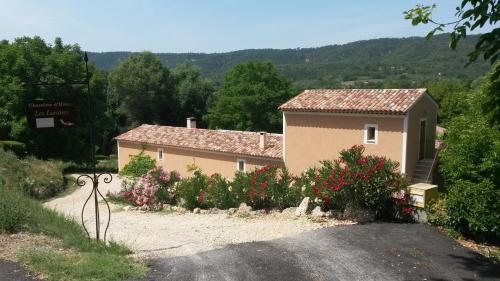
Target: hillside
point(388, 62)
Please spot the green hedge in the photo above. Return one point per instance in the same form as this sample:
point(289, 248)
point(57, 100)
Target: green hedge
point(474, 210)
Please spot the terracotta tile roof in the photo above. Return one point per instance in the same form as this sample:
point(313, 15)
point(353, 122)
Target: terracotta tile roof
point(237, 142)
point(378, 101)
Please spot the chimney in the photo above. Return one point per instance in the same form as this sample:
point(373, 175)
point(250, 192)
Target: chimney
point(191, 123)
point(262, 140)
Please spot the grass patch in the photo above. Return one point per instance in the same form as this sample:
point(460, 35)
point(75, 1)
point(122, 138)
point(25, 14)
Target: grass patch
point(69, 265)
point(81, 258)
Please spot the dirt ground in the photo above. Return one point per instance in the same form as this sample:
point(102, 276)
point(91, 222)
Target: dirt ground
point(163, 234)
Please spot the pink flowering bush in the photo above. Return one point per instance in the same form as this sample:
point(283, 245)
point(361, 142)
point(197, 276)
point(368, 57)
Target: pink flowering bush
point(157, 186)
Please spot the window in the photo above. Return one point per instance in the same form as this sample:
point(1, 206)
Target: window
point(240, 165)
point(160, 154)
point(371, 134)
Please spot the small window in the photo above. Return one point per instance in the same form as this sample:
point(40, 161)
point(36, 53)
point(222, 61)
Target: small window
point(240, 165)
point(160, 154)
point(371, 134)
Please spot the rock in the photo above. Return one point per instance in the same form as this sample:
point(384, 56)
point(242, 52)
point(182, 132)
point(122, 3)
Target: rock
point(232, 211)
point(181, 210)
point(214, 211)
point(289, 211)
point(244, 208)
point(196, 211)
point(127, 208)
point(303, 208)
point(166, 206)
point(203, 211)
point(316, 212)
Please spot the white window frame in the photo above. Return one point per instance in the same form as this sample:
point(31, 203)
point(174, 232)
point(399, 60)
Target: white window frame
point(238, 165)
point(162, 154)
point(375, 141)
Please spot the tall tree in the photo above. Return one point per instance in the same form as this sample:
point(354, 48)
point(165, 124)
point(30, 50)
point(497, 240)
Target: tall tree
point(250, 98)
point(141, 90)
point(192, 90)
point(32, 60)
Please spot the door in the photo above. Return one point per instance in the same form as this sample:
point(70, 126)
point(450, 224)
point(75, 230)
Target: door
point(421, 149)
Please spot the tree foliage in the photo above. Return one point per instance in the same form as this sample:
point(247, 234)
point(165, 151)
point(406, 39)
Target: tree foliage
point(141, 90)
point(250, 98)
point(28, 60)
point(471, 15)
point(193, 91)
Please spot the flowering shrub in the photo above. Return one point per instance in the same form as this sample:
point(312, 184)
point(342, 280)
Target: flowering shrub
point(189, 190)
point(357, 181)
point(157, 186)
point(271, 186)
point(217, 193)
point(354, 181)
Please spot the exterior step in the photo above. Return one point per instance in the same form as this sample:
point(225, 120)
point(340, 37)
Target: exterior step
point(422, 171)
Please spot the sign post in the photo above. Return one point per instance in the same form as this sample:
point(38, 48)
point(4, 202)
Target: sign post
point(60, 114)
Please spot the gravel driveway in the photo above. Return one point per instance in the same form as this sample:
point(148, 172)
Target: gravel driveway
point(163, 234)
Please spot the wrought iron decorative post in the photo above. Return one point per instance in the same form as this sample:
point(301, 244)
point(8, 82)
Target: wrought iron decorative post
point(94, 177)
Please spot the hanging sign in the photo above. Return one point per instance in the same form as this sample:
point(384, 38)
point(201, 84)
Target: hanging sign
point(50, 114)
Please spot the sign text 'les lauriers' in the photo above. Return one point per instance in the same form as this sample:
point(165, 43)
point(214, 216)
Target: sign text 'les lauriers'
point(50, 114)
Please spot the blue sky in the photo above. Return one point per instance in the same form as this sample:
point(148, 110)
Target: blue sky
point(210, 25)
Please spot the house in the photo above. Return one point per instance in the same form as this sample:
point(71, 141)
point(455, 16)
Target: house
point(399, 124)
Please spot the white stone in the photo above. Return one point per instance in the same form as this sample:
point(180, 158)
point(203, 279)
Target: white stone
point(127, 208)
point(196, 211)
point(244, 208)
point(316, 212)
point(303, 208)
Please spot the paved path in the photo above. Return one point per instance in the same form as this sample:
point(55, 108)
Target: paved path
point(376, 251)
point(13, 272)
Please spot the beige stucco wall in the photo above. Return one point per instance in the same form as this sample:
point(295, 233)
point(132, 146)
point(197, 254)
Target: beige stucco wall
point(178, 159)
point(311, 137)
point(424, 108)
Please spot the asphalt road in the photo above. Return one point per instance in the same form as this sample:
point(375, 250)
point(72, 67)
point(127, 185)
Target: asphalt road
point(13, 271)
point(377, 251)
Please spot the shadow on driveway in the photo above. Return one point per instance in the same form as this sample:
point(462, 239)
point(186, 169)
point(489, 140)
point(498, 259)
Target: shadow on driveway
point(378, 251)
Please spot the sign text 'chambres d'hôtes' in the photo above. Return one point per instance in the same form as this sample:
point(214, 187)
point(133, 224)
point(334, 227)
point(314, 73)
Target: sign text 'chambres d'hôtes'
point(50, 114)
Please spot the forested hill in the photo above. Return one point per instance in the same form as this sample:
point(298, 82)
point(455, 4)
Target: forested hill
point(387, 62)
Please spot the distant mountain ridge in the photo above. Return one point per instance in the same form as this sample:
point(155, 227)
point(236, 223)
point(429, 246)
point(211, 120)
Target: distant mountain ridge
point(405, 61)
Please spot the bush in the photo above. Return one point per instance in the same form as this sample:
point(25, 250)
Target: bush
point(18, 148)
point(271, 186)
point(217, 193)
point(157, 186)
point(472, 151)
point(139, 165)
point(189, 190)
point(43, 179)
point(474, 210)
point(37, 178)
point(368, 183)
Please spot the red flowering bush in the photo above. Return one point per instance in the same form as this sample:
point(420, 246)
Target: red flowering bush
point(189, 191)
point(217, 193)
point(271, 186)
point(357, 181)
